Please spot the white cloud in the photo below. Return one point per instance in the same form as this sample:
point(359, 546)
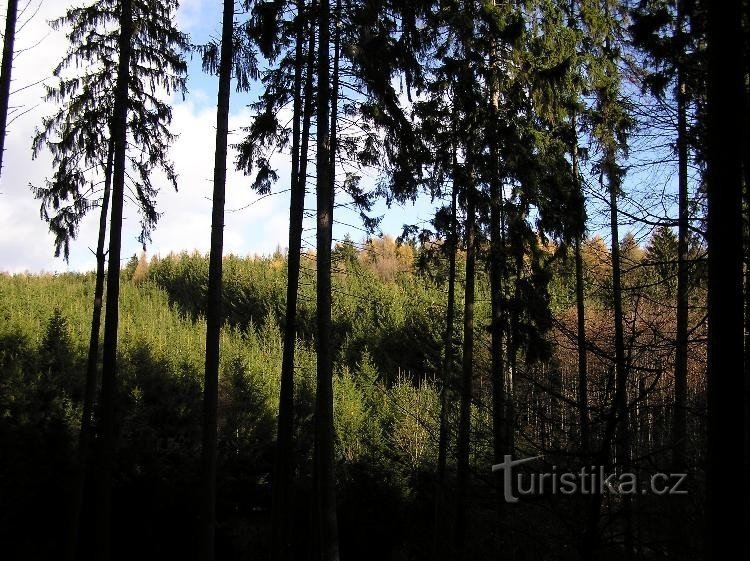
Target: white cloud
point(26, 245)
point(186, 223)
point(24, 241)
point(258, 228)
point(192, 13)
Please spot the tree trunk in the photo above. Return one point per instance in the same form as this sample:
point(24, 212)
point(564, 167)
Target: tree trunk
point(335, 99)
point(499, 421)
point(325, 476)
point(620, 410)
point(214, 300)
point(85, 433)
point(617, 424)
point(724, 187)
point(499, 424)
point(107, 403)
point(583, 383)
point(438, 551)
point(746, 176)
point(746, 217)
point(7, 70)
point(679, 421)
point(583, 401)
point(464, 423)
point(283, 500)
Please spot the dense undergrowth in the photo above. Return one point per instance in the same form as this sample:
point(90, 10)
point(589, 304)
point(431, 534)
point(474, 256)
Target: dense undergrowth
point(388, 323)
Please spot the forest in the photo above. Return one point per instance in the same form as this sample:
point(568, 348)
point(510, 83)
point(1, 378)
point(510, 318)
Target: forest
point(555, 365)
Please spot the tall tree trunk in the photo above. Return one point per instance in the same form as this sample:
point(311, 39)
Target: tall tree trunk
point(499, 421)
point(335, 98)
point(724, 186)
point(590, 520)
point(438, 550)
point(620, 412)
point(6, 71)
point(583, 400)
point(617, 421)
point(464, 423)
point(214, 299)
point(616, 425)
point(583, 382)
point(679, 421)
point(747, 351)
point(85, 433)
point(283, 500)
point(746, 176)
point(499, 428)
point(514, 344)
point(107, 403)
point(325, 476)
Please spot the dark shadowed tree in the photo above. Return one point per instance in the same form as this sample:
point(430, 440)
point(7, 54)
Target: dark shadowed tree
point(109, 360)
point(661, 28)
point(232, 55)
point(724, 184)
point(213, 304)
point(324, 472)
point(11, 15)
point(283, 504)
point(291, 44)
point(609, 123)
point(140, 52)
point(464, 423)
point(79, 138)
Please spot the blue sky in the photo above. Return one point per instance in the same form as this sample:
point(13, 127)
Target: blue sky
point(252, 226)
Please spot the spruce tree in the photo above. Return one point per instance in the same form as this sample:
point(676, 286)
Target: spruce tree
point(232, 57)
point(136, 51)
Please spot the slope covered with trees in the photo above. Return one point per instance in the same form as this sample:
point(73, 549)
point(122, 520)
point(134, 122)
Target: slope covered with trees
point(388, 331)
point(576, 300)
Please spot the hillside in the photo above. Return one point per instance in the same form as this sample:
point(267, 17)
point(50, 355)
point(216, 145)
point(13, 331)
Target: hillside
point(388, 322)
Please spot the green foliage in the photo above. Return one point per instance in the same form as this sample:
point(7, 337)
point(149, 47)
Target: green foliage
point(350, 418)
point(78, 134)
point(386, 400)
point(661, 252)
point(398, 319)
point(414, 421)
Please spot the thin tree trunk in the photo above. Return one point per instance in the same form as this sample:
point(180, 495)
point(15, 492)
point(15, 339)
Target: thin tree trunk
point(617, 424)
point(214, 297)
point(438, 551)
point(85, 433)
point(583, 383)
point(499, 421)
point(746, 176)
point(617, 421)
point(724, 187)
point(583, 401)
point(512, 360)
point(590, 519)
point(620, 412)
point(499, 425)
point(464, 423)
point(283, 500)
point(6, 72)
point(679, 421)
point(107, 402)
point(325, 477)
point(335, 98)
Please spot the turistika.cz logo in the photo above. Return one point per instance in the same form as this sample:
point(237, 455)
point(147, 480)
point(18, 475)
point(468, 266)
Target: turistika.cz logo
point(588, 481)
